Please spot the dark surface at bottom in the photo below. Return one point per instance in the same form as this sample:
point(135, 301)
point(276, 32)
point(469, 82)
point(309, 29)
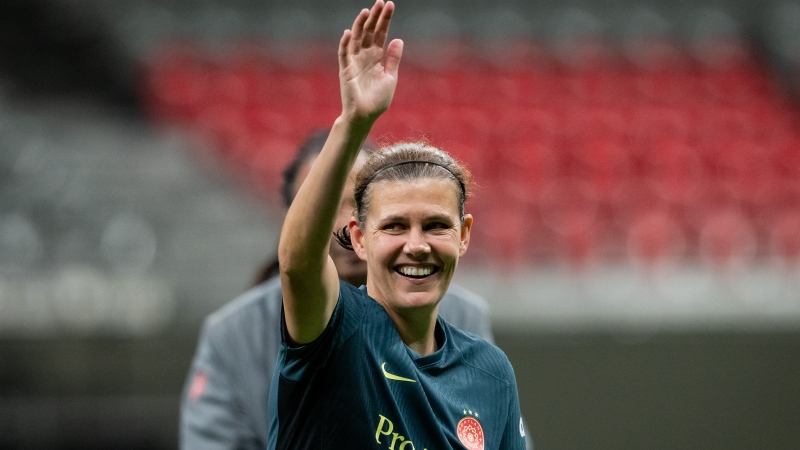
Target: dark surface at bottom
point(578, 391)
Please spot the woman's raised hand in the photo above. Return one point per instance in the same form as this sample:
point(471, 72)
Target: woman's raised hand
point(367, 71)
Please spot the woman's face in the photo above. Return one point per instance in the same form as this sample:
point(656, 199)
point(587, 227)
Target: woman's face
point(412, 239)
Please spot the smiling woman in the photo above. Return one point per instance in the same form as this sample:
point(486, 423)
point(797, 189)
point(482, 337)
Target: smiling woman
point(376, 364)
point(410, 227)
point(412, 240)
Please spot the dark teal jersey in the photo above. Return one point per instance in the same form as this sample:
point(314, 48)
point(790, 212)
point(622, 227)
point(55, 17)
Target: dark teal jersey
point(359, 386)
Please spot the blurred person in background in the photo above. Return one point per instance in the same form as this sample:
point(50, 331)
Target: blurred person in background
point(224, 403)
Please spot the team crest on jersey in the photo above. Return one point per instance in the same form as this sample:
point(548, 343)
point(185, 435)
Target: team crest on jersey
point(470, 433)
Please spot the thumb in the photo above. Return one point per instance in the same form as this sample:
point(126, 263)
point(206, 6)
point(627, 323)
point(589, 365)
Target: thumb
point(394, 52)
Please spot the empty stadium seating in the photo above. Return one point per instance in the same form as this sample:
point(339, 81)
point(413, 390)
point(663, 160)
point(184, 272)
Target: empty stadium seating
point(641, 153)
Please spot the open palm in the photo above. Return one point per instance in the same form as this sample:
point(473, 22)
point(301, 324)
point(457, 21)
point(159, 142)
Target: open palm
point(367, 71)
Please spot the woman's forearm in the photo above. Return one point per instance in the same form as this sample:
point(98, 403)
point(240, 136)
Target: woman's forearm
point(308, 227)
point(367, 81)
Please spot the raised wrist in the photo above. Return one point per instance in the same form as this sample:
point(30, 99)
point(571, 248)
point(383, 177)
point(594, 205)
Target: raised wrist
point(354, 127)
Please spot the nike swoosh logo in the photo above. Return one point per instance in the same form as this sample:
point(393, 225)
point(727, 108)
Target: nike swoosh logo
point(392, 376)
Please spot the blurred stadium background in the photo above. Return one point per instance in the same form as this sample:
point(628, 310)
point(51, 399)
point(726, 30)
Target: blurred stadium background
point(637, 224)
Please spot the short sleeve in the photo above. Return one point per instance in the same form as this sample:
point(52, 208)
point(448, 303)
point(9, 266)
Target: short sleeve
point(515, 433)
point(299, 360)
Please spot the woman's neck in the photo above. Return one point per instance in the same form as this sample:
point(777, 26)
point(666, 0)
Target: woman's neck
point(417, 328)
point(416, 325)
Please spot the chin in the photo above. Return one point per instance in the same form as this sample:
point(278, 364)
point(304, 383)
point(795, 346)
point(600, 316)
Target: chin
point(418, 299)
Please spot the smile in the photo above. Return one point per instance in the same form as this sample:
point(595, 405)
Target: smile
point(416, 271)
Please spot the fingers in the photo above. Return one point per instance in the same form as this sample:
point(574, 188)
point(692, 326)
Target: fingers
point(358, 30)
point(344, 42)
point(371, 28)
point(371, 24)
point(382, 26)
point(394, 52)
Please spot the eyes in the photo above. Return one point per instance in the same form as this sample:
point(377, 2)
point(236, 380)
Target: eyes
point(393, 226)
point(436, 226)
point(398, 227)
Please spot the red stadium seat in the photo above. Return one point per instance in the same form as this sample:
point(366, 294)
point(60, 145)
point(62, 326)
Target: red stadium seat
point(503, 229)
point(727, 240)
point(422, 89)
point(563, 200)
point(785, 238)
point(655, 239)
point(224, 87)
point(578, 239)
point(677, 170)
point(267, 122)
point(635, 196)
point(265, 169)
point(177, 85)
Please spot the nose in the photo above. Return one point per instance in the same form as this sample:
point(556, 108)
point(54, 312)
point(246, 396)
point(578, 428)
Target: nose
point(416, 245)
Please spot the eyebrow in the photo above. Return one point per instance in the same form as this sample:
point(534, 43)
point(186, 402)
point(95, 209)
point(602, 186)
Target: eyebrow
point(432, 218)
point(440, 218)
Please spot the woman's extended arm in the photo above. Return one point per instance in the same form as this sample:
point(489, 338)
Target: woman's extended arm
point(367, 78)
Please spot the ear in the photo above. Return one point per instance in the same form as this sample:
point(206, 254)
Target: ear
point(357, 239)
point(466, 228)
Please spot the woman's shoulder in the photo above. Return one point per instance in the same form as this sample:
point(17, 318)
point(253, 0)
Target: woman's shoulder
point(481, 355)
point(356, 308)
point(347, 290)
point(356, 298)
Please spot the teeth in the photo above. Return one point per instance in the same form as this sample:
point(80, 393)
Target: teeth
point(416, 271)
